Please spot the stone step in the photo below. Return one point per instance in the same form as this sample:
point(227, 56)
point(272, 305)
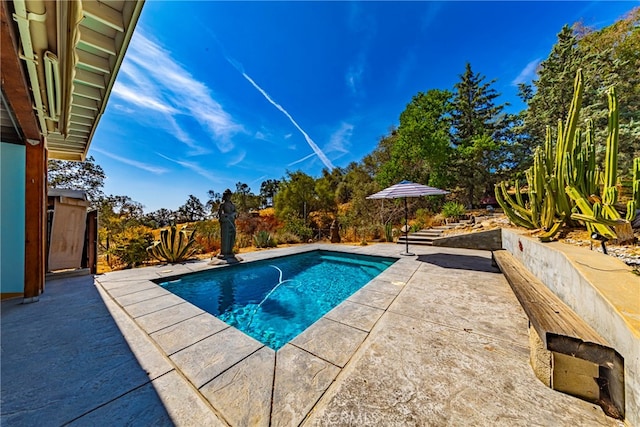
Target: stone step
point(427, 233)
point(416, 242)
point(426, 236)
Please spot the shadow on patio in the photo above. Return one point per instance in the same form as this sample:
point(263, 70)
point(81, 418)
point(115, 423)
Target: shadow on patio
point(461, 262)
point(64, 360)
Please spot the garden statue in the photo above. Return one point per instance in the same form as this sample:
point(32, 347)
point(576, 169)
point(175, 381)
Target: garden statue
point(335, 232)
point(227, 217)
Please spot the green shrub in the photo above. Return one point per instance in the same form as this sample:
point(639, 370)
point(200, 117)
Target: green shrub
point(243, 241)
point(453, 210)
point(388, 232)
point(285, 237)
point(263, 239)
point(134, 252)
point(208, 236)
point(299, 228)
point(128, 248)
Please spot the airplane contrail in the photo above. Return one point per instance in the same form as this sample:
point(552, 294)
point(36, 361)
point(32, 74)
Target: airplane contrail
point(310, 141)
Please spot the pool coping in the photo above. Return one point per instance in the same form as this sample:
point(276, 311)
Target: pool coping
point(223, 366)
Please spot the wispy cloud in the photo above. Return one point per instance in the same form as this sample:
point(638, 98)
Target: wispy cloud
point(354, 75)
point(340, 139)
point(364, 26)
point(152, 79)
point(528, 72)
point(287, 136)
point(310, 141)
point(261, 136)
point(193, 166)
point(136, 164)
point(237, 159)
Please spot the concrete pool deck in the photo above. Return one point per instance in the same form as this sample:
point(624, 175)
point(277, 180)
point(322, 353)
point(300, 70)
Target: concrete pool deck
point(436, 339)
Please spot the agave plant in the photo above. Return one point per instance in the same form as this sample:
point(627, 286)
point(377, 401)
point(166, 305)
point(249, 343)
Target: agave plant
point(174, 245)
point(262, 239)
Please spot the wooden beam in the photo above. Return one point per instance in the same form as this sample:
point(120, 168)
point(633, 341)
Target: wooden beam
point(77, 157)
point(14, 82)
point(563, 332)
point(35, 221)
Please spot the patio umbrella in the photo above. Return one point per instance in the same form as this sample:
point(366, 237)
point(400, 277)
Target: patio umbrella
point(407, 189)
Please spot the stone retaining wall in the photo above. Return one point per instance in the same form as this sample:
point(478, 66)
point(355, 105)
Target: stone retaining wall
point(483, 240)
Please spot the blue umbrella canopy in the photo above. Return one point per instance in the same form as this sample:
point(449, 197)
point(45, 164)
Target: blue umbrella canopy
point(407, 189)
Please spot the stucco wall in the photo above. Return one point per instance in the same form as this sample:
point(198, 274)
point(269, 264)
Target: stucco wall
point(12, 187)
point(600, 289)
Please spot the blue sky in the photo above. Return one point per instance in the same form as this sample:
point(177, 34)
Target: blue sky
point(212, 93)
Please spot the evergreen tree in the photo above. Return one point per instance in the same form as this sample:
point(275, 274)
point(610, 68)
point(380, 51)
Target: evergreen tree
point(88, 176)
point(421, 150)
point(160, 218)
point(612, 58)
point(608, 57)
point(214, 201)
point(268, 190)
point(554, 86)
point(296, 196)
point(192, 210)
point(478, 128)
point(373, 162)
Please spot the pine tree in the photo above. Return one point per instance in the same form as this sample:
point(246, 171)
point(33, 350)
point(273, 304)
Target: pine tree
point(613, 59)
point(554, 86)
point(478, 128)
point(608, 57)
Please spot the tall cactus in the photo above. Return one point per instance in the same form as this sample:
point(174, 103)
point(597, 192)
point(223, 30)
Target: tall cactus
point(599, 213)
point(564, 184)
point(634, 203)
point(549, 207)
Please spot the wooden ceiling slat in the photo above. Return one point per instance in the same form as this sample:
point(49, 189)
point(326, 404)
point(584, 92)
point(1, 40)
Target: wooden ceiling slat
point(97, 40)
point(88, 78)
point(103, 14)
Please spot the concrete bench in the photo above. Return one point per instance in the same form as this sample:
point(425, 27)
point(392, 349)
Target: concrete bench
point(566, 353)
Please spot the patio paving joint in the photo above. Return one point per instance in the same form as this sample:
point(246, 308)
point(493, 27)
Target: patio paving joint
point(232, 366)
point(79, 417)
point(314, 355)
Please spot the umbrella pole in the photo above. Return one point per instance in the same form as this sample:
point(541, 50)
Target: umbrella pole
point(406, 229)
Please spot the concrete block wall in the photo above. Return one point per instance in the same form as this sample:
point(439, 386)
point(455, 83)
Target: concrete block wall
point(490, 240)
point(600, 289)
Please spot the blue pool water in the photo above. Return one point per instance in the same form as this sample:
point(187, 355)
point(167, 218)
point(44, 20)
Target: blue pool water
point(276, 299)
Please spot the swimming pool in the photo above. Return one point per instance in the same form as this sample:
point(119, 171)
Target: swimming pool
point(274, 300)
